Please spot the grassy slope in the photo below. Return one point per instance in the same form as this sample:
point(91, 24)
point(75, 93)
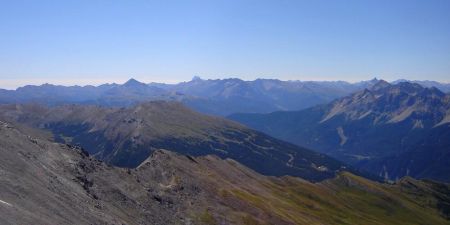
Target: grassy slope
point(337, 202)
point(347, 199)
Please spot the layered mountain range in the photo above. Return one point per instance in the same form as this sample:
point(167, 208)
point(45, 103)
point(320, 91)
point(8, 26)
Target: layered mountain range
point(392, 130)
point(217, 97)
point(140, 154)
point(127, 136)
point(444, 87)
point(43, 182)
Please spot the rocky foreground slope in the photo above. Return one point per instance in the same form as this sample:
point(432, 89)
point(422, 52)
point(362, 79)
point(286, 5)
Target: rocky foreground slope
point(42, 182)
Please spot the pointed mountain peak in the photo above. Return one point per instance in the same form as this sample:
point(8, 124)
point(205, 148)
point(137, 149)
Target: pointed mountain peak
point(380, 85)
point(133, 82)
point(372, 81)
point(196, 78)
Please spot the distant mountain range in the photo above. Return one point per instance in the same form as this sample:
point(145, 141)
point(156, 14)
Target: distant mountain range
point(127, 136)
point(224, 97)
point(392, 130)
point(374, 125)
point(217, 97)
point(43, 182)
point(444, 87)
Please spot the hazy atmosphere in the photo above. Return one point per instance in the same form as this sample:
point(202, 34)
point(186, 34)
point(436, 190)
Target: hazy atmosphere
point(94, 42)
point(225, 112)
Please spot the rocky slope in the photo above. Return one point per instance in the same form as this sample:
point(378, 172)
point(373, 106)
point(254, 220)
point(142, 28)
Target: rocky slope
point(127, 136)
point(43, 182)
point(391, 130)
point(48, 183)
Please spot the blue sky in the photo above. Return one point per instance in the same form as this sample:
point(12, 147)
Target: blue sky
point(80, 42)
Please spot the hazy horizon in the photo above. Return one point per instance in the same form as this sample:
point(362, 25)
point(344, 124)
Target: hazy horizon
point(94, 42)
point(97, 82)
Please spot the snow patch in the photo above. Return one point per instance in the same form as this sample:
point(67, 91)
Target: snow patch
point(5, 203)
point(290, 162)
point(341, 134)
point(418, 124)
